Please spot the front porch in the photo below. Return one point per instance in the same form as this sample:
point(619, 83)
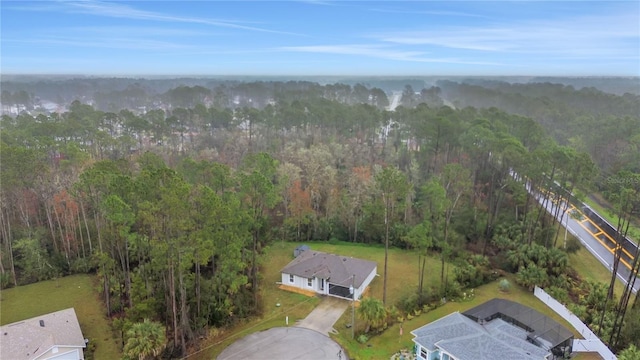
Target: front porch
point(298, 290)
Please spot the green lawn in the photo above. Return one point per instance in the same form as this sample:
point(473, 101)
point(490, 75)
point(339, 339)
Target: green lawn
point(587, 356)
point(403, 268)
point(389, 342)
point(75, 291)
point(402, 282)
point(589, 268)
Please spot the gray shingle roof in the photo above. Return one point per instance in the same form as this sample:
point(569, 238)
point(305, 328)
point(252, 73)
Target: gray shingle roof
point(483, 347)
point(334, 268)
point(544, 329)
point(27, 339)
point(452, 326)
point(466, 339)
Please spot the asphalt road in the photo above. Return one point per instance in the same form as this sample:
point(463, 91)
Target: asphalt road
point(284, 343)
point(307, 340)
point(584, 231)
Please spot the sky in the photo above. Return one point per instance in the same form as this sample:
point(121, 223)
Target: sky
point(317, 37)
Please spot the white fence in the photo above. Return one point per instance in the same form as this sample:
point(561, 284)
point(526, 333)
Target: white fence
point(591, 342)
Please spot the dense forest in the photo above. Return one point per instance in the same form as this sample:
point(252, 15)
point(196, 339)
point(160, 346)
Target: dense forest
point(170, 196)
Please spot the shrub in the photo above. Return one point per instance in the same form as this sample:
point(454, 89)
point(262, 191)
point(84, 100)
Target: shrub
point(578, 310)
point(467, 275)
point(409, 304)
point(468, 295)
point(559, 294)
point(561, 281)
point(393, 314)
point(504, 285)
point(453, 290)
point(5, 280)
point(362, 338)
point(90, 350)
point(81, 266)
point(573, 245)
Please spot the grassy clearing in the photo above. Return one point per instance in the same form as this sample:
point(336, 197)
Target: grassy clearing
point(390, 342)
point(589, 268)
point(75, 291)
point(403, 268)
point(402, 282)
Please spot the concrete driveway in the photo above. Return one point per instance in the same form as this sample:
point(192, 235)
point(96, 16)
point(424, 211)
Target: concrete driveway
point(284, 343)
point(325, 315)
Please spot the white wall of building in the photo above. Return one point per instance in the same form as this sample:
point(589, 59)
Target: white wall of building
point(302, 283)
point(366, 283)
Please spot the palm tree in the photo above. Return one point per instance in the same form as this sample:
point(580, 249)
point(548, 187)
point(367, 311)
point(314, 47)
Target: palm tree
point(532, 276)
point(630, 353)
point(372, 311)
point(558, 261)
point(144, 340)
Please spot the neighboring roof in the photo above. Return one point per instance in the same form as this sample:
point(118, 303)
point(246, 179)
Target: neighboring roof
point(298, 250)
point(454, 325)
point(336, 269)
point(27, 339)
point(466, 339)
point(483, 347)
point(543, 329)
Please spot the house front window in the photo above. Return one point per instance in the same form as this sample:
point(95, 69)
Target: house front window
point(310, 282)
point(423, 353)
point(290, 278)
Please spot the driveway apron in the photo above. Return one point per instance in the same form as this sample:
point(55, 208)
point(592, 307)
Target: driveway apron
point(325, 315)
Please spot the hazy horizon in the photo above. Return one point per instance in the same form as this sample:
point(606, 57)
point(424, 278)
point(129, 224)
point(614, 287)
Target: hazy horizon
point(321, 38)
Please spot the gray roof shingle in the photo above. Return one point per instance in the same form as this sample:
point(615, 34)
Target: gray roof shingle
point(336, 269)
point(544, 329)
point(28, 339)
point(466, 339)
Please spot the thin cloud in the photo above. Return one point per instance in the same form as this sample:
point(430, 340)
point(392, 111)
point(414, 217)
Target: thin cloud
point(129, 30)
point(427, 12)
point(116, 10)
point(379, 51)
point(586, 36)
point(109, 43)
point(316, 2)
point(355, 49)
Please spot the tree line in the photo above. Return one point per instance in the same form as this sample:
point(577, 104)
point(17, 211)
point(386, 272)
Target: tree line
point(172, 208)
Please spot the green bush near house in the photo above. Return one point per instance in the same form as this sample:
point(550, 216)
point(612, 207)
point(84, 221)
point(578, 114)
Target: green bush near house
point(504, 285)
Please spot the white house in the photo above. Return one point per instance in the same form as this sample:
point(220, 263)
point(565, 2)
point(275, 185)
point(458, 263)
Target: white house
point(329, 274)
point(53, 336)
